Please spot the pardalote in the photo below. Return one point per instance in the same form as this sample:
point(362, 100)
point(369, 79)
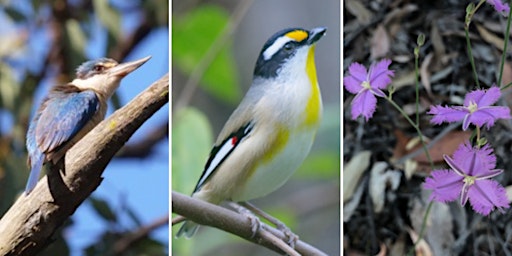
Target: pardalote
point(271, 132)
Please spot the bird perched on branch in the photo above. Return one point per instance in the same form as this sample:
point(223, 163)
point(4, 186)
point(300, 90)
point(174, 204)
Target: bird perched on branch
point(271, 132)
point(70, 111)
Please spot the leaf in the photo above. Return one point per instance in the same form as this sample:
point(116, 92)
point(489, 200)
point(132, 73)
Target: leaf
point(356, 8)
point(425, 73)
point(77, 38)
point(13, 43)
point(9, 90)
point(192, 36)
point(446, 145)
point(14, 14)
point(492, 38)
point(353, 171)
point(133, 216)
point(380, 43)
point(103, 209)
point(191, 143)
point(380, 179)
point(109, 17)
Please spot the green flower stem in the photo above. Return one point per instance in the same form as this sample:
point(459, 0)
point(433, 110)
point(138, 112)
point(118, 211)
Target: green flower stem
point(469, 16)
point(416, 75)
point(470, 55)
point(506, 86)
point(505, 47)
point(478, 134)
point(420, 134)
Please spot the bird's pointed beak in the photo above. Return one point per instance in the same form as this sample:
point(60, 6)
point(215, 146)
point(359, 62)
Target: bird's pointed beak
point(126, 68)
point(315, 35)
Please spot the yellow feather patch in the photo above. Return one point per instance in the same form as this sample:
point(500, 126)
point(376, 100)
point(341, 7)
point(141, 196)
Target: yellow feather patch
point(297, 35)
point(274, 148)
point(277, 145)
point(313, 107)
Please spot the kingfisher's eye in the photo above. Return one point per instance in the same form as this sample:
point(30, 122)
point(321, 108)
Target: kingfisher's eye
point(99, 68)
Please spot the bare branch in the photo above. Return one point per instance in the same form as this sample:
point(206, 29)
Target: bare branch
point(208, 214)
point(144, 147)
point(29, 224)
point(124, 243)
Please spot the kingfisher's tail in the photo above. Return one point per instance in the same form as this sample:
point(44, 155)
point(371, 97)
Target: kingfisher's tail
point(188, 229)
point(36, 164)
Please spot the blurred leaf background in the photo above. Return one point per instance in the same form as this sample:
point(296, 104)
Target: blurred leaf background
point(41, 44)
point(215, 45)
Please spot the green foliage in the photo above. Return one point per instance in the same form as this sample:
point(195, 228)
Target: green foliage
point(159, 9)
point(192, 37)
point(109, 17)
point(320, 165)
point(77, 40)
point(103, 209)
point(9, 90)
point(191, 143)
point(118, 234)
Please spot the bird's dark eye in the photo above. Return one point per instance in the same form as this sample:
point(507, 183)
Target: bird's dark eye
point(99, 68)
point(288, 47)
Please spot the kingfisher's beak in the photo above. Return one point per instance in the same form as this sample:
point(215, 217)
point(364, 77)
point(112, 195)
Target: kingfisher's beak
point(315, 35)
point(126, 68)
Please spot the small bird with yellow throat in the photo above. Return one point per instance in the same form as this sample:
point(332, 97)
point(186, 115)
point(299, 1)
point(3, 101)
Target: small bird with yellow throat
point(270, 133)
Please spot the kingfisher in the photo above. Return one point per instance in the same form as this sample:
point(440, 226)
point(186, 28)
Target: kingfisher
point(71, 110)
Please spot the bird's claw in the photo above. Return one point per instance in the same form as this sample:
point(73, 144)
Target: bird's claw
point(289, 237)
point(255, 222)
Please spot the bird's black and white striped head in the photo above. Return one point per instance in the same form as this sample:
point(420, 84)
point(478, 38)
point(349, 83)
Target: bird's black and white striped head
point(282, 47)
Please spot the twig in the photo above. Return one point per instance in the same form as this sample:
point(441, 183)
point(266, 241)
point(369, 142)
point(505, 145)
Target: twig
point(219, 217)
point(144, 147)
point(123, 244)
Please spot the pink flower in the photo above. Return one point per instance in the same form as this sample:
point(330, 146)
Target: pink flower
point(367, 85)
point(469, 178)
point(499, 6)
point(477, 110)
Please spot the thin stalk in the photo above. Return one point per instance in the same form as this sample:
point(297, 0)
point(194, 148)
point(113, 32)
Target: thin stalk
point(505, 47)
point(416, 75)
point(470, 55)
point(420, 134)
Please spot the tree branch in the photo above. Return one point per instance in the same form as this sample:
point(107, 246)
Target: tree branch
point(124, 243)
point(29, 224)
point(208, 214)
point(144, 147)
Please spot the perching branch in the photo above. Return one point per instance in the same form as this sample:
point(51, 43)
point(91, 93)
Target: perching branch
point(216, 216)
point(29, 224)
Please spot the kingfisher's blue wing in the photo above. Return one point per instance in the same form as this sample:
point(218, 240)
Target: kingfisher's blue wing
point(63, 116)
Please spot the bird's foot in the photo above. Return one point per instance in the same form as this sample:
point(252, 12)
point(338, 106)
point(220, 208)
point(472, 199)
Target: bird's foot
point(290, 237)
point(255, 221)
